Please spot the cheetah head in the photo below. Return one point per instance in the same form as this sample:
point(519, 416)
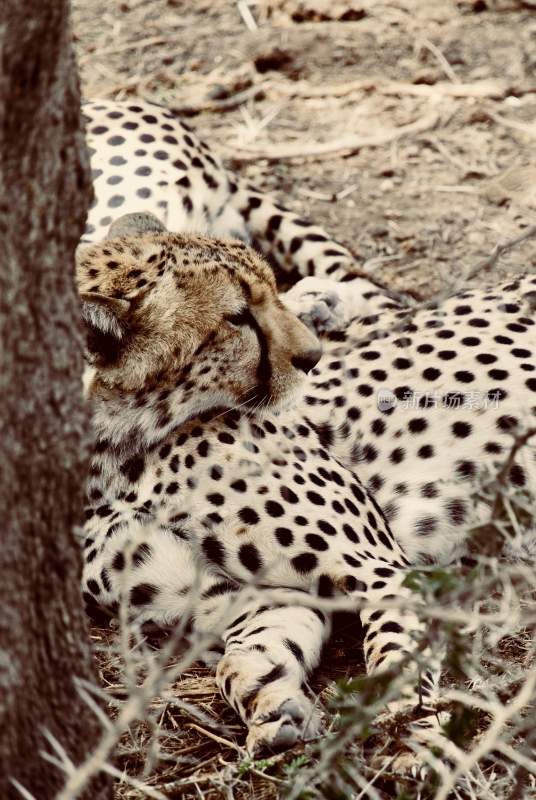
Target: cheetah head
point(178, 325)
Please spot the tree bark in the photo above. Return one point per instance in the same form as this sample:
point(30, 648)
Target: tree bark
point(44, 193)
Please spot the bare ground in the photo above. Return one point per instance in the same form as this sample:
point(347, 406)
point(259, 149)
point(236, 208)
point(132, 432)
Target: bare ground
point(419, 211)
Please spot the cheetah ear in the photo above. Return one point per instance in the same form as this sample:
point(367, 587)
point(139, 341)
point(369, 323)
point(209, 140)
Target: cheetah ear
point(106, 323)
point(135, 225)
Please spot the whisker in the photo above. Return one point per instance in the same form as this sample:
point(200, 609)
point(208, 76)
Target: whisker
point(234, 408)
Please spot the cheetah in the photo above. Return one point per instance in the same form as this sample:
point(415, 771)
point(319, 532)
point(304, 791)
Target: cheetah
point(232, 451)
point(145, 159)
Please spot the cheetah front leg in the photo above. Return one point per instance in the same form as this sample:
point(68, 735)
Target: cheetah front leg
point(390, 645)
point(268, 654)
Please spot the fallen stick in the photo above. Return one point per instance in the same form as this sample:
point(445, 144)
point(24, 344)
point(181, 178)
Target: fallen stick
point(214, 737)
point(484, 88)
point(523, 127)
point(488, 263)
point(345, 145)
point(226, 104)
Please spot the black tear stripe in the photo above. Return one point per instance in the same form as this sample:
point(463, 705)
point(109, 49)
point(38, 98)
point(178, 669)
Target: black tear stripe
point(264, 367)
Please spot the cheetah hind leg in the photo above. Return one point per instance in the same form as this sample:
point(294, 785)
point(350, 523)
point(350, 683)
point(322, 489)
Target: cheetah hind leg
point(325, 305)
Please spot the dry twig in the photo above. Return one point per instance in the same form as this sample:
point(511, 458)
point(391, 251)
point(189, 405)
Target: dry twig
point(488, 263)
point(346, 145)
point(484, 88)
point(214, 737)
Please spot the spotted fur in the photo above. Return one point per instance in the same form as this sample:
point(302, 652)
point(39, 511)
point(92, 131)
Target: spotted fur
point(322, 489)
point(144, 158)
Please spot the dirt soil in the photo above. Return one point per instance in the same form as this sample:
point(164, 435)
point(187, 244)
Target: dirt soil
point(420, 211)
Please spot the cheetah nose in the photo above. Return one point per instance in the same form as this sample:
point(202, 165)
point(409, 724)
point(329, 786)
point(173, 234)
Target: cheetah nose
point(306, 361)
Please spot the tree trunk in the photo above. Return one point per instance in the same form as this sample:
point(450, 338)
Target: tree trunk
point(44, 194)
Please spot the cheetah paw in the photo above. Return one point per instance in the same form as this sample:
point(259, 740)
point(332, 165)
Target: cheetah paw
point(405, 764)
point(290, 721)
point(319, 305)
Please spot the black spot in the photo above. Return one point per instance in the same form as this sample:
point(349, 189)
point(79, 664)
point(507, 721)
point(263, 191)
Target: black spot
point(326, 527)
point(305, 562)
point(274, 675)
point(493, 447)
point(486, 358)
point(402, 363)
point(456, 511)
point(316, 498)
point(142, 594)
point(378, 427)
point(220, 588)
point(352, 584)
point(426, 525)
point(397, 456)
point(213, 550)
point(391, 627)
point(384, 572)
point(350, 533)
point(517, 475)
point(417, 425)
point(466, 469)
point(216, 499)
point(325, 434)
point(274, 509)
point(461, 429)
point(431, 374)
point(141, 554)
point(103, 511)
point(429, 490)
point(164, 451)
point(249, 557)
point(248, 515)
point(295, 649)
point(506, 422)
point(284, 536)
point(498, 374)
point(115, 201)
point(316, 542)
point(288, 495)
point(370, 453)
point(325, 586)
point(105, 580)
point(426, 451)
